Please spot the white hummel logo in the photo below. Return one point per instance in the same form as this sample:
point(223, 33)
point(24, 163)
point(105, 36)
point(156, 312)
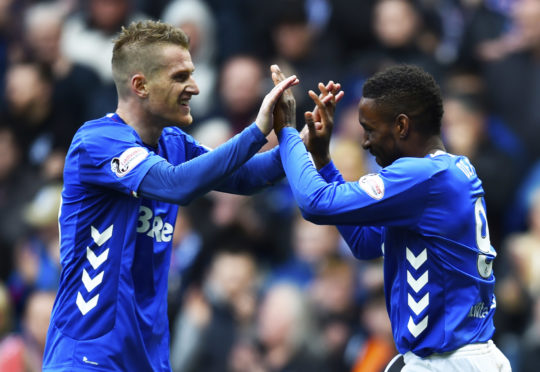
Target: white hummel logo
point(85, 359)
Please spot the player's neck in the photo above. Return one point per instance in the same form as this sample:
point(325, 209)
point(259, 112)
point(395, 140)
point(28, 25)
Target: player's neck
point(419, 146)
point(137, 119)
point(432, 145)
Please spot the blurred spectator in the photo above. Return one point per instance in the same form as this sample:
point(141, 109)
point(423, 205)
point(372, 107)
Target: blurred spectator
point(37, 254)
point(286, 335)
point(312, 245)
point(222, 311)
point(518, 288)
point(468, 130)
point(213, 132)
point(529, 348)
point(301, 50)
point(240, 27)
point(39, 126)
point(447, 20)
point(511, 68)
point(402, 36)
point(5, 313)
point(348, 130)
point(17, 185)
point(378, 347)
point(153, 8)
point(5, 27)
point(24, 352)
point(43, 30)
point(349, 158)
point(347, 126)
point(197, 21)
point(285, 330)
point(87, 36)
point(351, 21)
point(37, 316)
point(10, 343)
point(336, 313)
point(232, 210)
point(241, 90)
point(87, 39)
point(523, 250)
point(258, 218)
point(517, 216)
point(481, 24)
point(186, 248)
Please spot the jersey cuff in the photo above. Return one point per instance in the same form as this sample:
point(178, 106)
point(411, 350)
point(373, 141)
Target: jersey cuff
point(285, 131)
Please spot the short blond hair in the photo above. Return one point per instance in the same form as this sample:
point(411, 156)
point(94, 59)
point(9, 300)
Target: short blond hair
point(136, 46)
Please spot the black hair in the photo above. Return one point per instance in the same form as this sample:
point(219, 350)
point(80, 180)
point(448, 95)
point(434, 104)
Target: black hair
point(407, 89)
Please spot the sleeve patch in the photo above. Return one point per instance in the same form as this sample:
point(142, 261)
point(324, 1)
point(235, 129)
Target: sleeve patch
point(128, 160)
point(373, 185)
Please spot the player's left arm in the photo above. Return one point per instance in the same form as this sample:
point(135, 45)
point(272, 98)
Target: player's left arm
point(184, 182)
point(395, 197)
point(261, 171)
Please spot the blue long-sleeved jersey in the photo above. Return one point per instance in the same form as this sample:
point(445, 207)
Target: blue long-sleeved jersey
point(110, 312)
point(426, 217)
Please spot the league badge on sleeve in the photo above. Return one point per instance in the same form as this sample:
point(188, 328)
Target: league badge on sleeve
point(373, 185)
point(128, 160)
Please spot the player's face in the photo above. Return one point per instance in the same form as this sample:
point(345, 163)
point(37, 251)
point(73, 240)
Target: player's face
point(171, 86)
point(380, 136)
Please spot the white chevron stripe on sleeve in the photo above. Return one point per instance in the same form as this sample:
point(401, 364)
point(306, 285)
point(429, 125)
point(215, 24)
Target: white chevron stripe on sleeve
point(416, 261)
point(419, 306)
point(91, 283)
point(417, 284)
point(96, 261)
point(101, 238)
point(84, 306)
point(416, 329)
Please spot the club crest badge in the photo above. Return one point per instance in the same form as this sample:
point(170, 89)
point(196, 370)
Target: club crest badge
point(128, 160)
point(373, 185)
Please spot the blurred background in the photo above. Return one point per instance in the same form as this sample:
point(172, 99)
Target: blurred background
point(253, 287)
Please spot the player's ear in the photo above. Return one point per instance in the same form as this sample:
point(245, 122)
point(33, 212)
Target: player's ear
point(403, 124)
point(139, 85)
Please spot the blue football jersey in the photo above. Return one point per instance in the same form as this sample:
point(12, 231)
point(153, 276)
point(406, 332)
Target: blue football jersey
point(427, 218)
point(110, 313)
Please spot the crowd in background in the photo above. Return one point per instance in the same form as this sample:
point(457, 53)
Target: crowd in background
point(254, 287)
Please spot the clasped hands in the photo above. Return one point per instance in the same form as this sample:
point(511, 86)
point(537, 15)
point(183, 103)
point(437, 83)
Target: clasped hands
point(319, 122)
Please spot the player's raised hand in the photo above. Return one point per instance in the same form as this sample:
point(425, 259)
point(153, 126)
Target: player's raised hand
point(264, 118)
point(319, 122)
point(285, 109)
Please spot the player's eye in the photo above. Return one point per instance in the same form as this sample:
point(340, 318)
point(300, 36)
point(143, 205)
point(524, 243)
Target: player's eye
point(182, 77)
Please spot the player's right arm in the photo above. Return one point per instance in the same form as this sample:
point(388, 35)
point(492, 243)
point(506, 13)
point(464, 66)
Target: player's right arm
point(183, 183)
